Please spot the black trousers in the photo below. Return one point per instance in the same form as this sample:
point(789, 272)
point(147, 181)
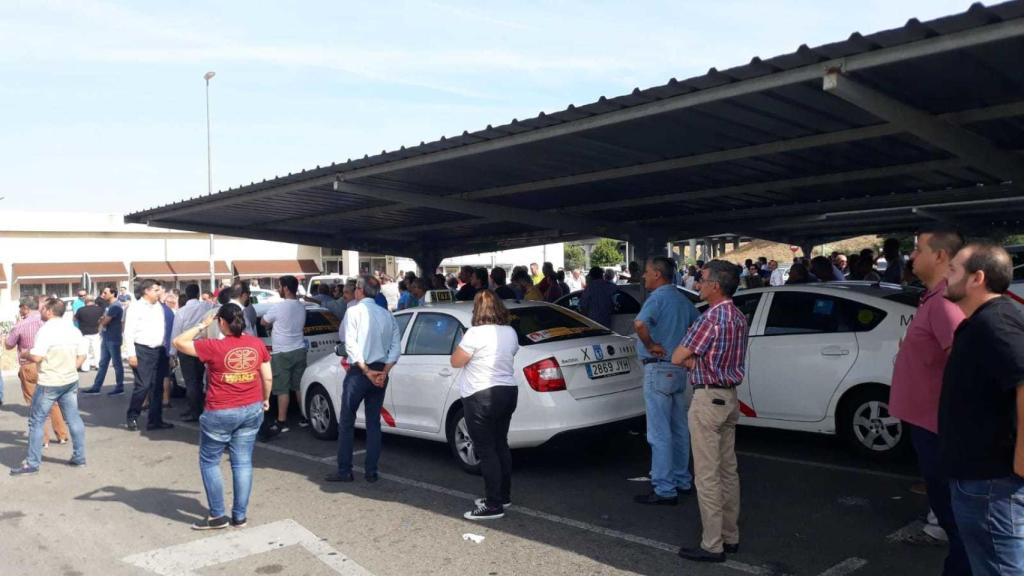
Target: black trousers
point(192, 371)
point(488, 414)
point(926, 444)
point(149, 381)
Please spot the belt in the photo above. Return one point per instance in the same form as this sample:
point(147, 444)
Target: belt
point(720, 386)
point(646, 361)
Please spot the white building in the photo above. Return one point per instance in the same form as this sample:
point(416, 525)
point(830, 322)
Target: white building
point(47, 253)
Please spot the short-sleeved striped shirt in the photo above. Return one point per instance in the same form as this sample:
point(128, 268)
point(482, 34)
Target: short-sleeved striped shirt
point(719, 344)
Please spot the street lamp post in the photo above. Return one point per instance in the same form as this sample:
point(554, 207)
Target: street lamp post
point(209, 172)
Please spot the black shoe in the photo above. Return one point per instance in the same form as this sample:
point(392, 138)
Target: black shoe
point(372, 478)
point(684, 491)
point(303, 423)
point(76, 463)
point(484, 513)
point(339, 477)
point(699, 554)
point(212, 523)
point(160, 426)
point(272, 430)
point(281, 427)
point(24, 470)
point(116, 392)
point(239, 523)
point(653, 498)
point(91, 391)
point(732, 548)
point(131, 426)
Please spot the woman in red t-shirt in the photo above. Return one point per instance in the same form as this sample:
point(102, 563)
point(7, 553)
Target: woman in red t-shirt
point(237, 395)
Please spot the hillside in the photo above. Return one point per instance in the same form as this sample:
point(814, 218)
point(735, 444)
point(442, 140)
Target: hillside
point(782, 253)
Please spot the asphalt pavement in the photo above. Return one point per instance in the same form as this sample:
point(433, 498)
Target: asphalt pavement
point(809, 507)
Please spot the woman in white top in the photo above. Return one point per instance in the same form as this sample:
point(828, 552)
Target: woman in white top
point(489, 395)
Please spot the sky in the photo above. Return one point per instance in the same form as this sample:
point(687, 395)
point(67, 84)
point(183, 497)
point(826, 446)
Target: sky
point(102, 104)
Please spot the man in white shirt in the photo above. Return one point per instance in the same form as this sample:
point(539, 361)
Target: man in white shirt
point(145, 337)
point(240, 296)
point(777, 278)
point(59, 350)
point(192, 369)
point(373, 344)
point(575, 281)
point(287, 321)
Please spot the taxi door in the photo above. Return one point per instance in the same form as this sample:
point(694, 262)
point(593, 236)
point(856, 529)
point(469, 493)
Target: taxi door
point(422, 378)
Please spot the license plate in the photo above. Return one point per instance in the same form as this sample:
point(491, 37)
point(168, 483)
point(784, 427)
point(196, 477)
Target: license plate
point(597, 370)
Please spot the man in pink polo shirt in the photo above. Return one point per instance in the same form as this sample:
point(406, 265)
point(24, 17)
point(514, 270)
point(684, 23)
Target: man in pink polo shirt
point(917, 377)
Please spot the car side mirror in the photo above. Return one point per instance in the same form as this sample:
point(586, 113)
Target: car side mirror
point(339, 350)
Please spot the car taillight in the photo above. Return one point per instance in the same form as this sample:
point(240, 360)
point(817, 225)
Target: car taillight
point(545, 376)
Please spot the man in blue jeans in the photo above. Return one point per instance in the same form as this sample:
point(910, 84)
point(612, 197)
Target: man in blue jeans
point(981, 412)
point(59, 350)
point(373, 344)
point(660, 326)
point(110, 345)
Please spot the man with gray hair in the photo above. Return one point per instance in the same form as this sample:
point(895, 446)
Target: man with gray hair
point(373, 345)
point(660, 326)
point(714, 349)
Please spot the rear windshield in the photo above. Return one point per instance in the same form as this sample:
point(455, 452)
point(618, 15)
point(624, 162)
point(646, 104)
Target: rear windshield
point(543, 324)
point(908, 297)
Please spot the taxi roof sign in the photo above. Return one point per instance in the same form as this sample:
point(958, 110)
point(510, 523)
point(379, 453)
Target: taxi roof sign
point(439, 296)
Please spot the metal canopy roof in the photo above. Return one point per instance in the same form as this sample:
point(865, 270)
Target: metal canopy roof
point(874, 133)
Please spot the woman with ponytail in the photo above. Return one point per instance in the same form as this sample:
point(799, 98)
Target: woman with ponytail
point(237, 395)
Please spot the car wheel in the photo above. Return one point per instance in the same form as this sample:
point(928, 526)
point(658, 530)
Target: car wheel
point(868, 428)
point(460, 442)
point(320, 412)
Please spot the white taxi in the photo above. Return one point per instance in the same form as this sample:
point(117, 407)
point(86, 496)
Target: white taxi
point(572, 374)
point(820, 359)
point(320, 334)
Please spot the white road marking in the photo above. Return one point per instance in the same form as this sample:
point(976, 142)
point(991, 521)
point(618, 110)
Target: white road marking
point(616, 534)
point(825, 466)
point(739, 566)
point(848, 566)
point(186, 559)
point(334, 459)
point(907, 532)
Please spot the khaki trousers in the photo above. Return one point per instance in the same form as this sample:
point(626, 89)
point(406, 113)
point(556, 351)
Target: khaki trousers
point(713, 416)
point(29, 376)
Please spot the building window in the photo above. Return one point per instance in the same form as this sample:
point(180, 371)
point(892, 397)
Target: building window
point(59, 290)
point(31, 290)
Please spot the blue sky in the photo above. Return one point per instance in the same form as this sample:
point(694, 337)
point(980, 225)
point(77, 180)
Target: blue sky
point(102, 103)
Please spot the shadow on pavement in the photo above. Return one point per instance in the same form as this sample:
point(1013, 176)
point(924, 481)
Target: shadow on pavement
point(175, 505)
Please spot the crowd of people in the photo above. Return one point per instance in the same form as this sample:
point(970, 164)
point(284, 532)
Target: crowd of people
point(958, 381)
point(836, 267)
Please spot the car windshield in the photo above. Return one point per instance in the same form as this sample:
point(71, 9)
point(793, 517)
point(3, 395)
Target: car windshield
point(541, 324)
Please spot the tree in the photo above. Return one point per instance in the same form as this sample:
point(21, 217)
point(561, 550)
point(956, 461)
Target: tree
point(575, 258)
point(606, 253)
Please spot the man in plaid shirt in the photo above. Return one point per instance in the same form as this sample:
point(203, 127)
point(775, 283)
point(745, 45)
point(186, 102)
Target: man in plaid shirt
point(714, 350)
